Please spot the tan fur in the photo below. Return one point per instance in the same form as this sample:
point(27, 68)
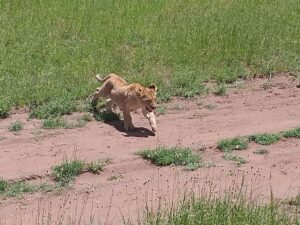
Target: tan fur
point(128, 97)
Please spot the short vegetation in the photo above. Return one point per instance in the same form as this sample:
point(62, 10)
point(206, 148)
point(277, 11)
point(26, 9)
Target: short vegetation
point(104, 116)
point(59, 122)
point(16, 189)
point(176, 44)
point(228, 210)
point(16, 126)
point(62, 174)
point(294, 133)
point(265, 139)
point(261, 151)
point(239, 160)
point(66, 172)
point(163, 156)
point(237, 143)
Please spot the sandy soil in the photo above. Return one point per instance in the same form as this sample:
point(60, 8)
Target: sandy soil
point(128, 183)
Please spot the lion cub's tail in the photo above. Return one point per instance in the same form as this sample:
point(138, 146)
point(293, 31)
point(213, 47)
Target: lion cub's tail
point(101, 80)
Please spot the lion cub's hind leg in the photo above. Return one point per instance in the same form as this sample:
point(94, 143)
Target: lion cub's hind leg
point(113, 108)
point(98, 93)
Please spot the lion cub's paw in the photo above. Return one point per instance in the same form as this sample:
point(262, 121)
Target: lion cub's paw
point(129, 127)
point(154, 129)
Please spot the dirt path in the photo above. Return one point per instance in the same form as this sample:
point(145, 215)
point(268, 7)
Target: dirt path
point(128, 182)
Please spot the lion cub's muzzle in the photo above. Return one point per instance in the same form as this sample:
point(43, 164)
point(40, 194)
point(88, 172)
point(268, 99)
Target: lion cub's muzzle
point(150, 108)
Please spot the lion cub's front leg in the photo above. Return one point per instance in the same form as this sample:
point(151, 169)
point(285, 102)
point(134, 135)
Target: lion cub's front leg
point(151, 117)
point(128, 126)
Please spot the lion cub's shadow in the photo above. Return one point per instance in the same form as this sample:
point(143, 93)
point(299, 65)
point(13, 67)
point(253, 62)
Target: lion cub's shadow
point(114, 120)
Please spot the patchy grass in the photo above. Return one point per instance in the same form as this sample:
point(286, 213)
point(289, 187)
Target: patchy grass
point(16, 126)
point(59, 122)
point(66, 172)
point(86, 118)
point(4, 109)
point(163, 156)
point(228, 210)
point(16, 189)
point(161, 110)
point(294, 201)
point(237, 143)
point(54, 123)
point(104, 116)
point(265, 139)
point(53, 109)
point(94, 167)
point(261, 151)
point(60, 45)
point(210, 106)
point(111, 178)
point(239, 160)
point(220, 90)
point(294, 133)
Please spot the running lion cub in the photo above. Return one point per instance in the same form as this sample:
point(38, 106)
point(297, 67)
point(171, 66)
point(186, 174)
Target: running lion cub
point(128, 97)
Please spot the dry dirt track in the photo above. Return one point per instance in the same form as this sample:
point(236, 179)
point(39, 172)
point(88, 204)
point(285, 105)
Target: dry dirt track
point(198, 123)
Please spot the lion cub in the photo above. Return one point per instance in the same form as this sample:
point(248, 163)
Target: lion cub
point(128, 97)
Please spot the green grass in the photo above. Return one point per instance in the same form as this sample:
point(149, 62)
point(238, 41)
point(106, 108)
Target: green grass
point(16, 126)
point(261, 151)
point(94, 167)
point(104, 116)
point(58, 122)
point(294, 201)
point(54, 123)
point(163, 156)
point(220, 89)
point(239, 160)
point(161, 110)
point(295, 133)
point(16, 189)
point(66, 172)
point(237, 143)
point(209, 211)
point(265, 139)
point(50, 50)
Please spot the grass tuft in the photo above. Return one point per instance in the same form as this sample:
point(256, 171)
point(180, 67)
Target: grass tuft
point(16, 126)
point(261, 151)
point(295, 133)
point(265, 139)
point(104, 116)
point(239, 160)
point(294, 201)
point(67, 171)
point(94, 167)
point(54, 123)
point(237, 143)
point(53, 109)
point(163, 156)
point(227, 210)
point(161, 110)
point(4, 109)
point(16, 189)
point(220, 90)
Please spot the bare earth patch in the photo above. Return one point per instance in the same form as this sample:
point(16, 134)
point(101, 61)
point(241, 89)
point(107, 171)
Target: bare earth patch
point(189, 123)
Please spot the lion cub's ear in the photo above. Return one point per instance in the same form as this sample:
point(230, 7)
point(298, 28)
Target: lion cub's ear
point(153, 87)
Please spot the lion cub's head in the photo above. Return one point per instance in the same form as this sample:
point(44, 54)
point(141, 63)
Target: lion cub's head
point(147, 97)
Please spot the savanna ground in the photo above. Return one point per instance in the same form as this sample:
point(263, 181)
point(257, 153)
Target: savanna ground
point(203, 54)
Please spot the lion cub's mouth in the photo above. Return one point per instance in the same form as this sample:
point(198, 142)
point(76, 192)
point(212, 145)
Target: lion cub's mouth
point(149, 109)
